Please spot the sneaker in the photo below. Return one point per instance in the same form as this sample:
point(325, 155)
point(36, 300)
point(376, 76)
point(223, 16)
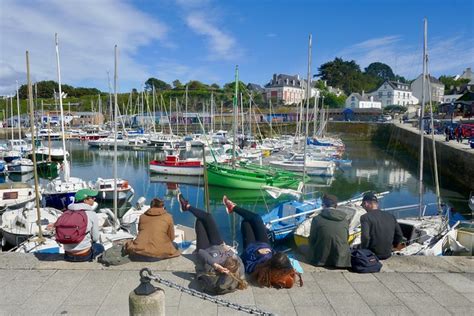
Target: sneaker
point(183, 203)
point(229, 205)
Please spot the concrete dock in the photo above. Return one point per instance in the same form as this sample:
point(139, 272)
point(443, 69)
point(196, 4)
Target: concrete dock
point(406, 286)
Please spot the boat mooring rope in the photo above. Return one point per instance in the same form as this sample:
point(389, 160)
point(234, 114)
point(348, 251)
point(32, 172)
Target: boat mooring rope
point(147, 273)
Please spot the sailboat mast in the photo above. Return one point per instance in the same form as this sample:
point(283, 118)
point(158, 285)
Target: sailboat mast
point(308, 96)
point(115, 136)
point(18, 110)
point(186, 113)
point(316, 99)
point(63, 136)
point(11, 117)
point(433, 142)
point(35, 171)
point(235, 106)
point(422, 128)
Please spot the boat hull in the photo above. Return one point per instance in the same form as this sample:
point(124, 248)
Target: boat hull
point(226, 176)
point(178, 170)
point(59, 201)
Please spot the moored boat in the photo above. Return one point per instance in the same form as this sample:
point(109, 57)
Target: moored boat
point(175, 166)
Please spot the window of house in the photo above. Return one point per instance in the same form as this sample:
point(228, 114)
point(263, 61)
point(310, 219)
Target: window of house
point(353, 98)
point(380, 94)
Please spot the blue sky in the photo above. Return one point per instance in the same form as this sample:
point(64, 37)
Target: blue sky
point(204, 39)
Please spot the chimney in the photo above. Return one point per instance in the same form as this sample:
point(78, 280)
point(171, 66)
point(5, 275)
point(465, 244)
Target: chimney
point(363, 93)
point(371, 99)
point(298, 77)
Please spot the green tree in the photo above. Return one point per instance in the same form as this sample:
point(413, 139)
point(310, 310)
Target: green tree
point(177, 84)
point(159, 85)
point(450, 83)
point(333, 101)
point(215, 86)
point(197, 85)
point(380, 71)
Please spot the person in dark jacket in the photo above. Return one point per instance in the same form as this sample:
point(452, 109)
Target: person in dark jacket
point(328, 237)
point(219, 269)
point(380, 230)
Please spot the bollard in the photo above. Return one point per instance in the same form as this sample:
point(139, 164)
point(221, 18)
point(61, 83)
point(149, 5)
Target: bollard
point(146, 299)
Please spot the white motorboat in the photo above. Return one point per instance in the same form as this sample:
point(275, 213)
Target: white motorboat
point(56, 154)
point(45, 133)
point(105, 187)
point(60, 193)
point(11, 155)
point(313, 167)
point(20, 166)
point(15, 195)
point(19, 225)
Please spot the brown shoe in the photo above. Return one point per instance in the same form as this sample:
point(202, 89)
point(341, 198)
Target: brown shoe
point(183, 203)
point(229, 205)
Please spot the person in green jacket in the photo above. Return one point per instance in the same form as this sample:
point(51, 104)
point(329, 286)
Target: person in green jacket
point(328, 237)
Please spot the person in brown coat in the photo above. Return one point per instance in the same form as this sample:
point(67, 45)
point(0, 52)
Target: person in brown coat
point(155, 235)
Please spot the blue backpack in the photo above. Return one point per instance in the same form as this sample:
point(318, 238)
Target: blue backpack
point(365, 261)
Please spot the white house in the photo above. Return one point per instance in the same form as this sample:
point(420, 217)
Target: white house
point(435, 86)
point(289, 89)
point(358, 101)
point(394, 93)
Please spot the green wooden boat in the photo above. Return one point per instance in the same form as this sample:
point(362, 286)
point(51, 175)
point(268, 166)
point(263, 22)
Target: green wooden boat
point(241, 178)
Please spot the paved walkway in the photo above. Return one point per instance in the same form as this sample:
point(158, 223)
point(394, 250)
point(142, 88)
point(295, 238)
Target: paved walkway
point(464, 146)
point(406, 286)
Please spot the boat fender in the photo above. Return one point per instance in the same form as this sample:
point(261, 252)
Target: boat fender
point(125, 184)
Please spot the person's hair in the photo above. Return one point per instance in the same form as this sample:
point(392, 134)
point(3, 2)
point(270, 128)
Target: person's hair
point(276, 271)
point(157, 203)
point(232, 265)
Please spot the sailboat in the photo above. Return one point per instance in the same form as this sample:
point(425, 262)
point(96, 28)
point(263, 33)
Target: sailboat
point(31, 220)
point(233, 176)
point(59, 193)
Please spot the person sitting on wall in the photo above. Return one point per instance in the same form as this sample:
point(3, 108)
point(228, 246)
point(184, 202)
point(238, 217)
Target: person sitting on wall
point(380, 230)
point(155, 235)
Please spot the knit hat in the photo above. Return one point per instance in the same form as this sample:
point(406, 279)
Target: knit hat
point(370, 197)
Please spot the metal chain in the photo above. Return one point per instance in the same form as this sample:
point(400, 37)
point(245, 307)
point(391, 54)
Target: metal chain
point(147, 273)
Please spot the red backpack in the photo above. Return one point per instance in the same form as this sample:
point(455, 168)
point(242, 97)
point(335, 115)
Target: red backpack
point(71, 227)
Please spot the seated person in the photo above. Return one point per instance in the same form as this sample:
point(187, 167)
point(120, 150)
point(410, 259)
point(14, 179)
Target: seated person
point(155, 235)
point(219, 269)
point(328, 238)
point(80, 244)
point(266, 266)
point(380, 230)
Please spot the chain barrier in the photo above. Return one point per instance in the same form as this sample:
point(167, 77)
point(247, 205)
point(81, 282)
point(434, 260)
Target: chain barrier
point(147, 273)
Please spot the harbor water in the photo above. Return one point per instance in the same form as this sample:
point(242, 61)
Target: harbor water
point(373, 168)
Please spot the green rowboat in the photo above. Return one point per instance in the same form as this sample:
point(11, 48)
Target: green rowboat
point(242, 178)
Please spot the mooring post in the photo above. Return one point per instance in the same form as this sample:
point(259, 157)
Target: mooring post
point(146, 299)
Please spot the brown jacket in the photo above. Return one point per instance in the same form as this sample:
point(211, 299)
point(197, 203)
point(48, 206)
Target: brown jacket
point(155, 235)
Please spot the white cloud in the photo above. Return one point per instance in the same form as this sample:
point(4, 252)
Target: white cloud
point(202, 19)
point(88, 31)
point(446, 56)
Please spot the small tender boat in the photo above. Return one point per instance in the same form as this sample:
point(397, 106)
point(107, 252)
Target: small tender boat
point(174, 165)
point(283, 219)
point(105, 187)
point(19, 225)
point(21, 166)
point(15, 195)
